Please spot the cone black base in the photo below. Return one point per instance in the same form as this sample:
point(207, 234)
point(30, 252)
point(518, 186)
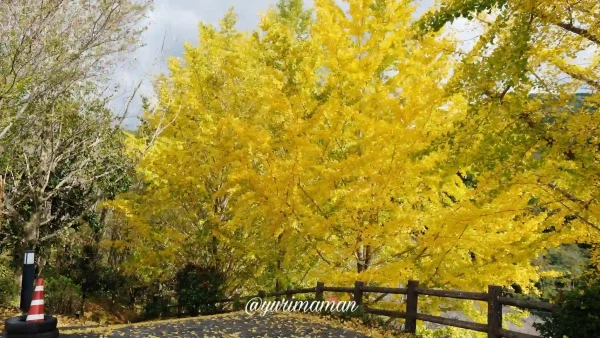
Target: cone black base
point(17, 327)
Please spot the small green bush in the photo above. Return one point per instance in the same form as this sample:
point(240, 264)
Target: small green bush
point(8, 287)
point(238, 304)
point(577, 314)
point(120, 288)
point(62, 295)
point(199, 288)
point(160, 306)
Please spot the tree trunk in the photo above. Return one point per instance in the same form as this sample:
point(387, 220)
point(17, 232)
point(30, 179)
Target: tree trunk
point(277, 282)
point(215, 251)
point(31, 235)
point(363, 258)
point(1, 197)
point(32, 230)
point(280, 257)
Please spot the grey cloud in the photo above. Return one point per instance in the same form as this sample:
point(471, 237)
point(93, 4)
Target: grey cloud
point(170, 24)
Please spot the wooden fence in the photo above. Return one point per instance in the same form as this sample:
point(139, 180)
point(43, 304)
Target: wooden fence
point(495, 299)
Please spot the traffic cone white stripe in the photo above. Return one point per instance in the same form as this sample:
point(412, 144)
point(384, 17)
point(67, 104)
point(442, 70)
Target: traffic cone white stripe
point(37, 302)
point(35, 317)
point(39, 288)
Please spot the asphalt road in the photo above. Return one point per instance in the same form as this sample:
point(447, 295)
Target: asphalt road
point(231, 325)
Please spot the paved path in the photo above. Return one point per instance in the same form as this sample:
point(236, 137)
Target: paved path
point(230, 325)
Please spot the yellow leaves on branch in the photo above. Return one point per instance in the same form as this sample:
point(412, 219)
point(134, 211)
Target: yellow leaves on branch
point(328, 147)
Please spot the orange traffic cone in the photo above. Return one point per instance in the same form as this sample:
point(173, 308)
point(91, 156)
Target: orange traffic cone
point(36, 310)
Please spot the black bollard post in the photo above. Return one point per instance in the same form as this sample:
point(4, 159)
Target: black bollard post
point(39, 325)
point(27, 280)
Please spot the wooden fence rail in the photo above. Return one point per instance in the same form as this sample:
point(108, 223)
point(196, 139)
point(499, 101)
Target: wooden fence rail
point(495, 299)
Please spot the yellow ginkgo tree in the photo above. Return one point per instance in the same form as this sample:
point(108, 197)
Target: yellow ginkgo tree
point(333, 144)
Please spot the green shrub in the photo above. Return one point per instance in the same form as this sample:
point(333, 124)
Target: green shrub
point(160, 306)
point(8, 287)
point(238, 304)
point(577, 314)
point(199, 288)
point(120, 288)
point(62, 295)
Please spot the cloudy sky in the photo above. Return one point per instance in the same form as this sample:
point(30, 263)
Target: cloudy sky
point(170, 24)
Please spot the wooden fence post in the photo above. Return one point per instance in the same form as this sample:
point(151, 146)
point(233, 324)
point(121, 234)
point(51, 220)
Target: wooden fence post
point(494, 311)
point(288, 293)
point(412, 305)
point(358, 292)
point(319, 291)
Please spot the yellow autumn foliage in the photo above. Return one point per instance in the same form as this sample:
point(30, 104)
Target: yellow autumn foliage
point(341, 147)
